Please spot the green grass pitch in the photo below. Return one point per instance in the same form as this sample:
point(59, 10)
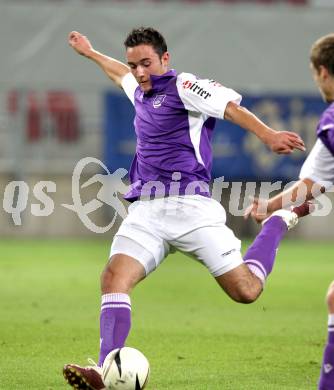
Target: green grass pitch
point(194, 336)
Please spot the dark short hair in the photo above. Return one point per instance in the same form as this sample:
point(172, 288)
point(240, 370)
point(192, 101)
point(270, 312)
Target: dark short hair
point(147, 36)
point(322, 53)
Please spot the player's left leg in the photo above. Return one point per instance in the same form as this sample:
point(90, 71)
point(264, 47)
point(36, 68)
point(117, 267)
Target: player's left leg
point(240, 284)
point(326, 381)
point(260, 256)
point(245, 282)
point(215, 245)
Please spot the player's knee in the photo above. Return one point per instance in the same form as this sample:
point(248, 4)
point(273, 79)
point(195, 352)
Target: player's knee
point(247, 292)
point(330, 297)
point(241, 285)
point(113, 280)
point(108, 273)
point(121, 274)
point(248, 295)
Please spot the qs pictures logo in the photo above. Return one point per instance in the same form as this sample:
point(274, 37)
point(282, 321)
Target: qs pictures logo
point(112, 186)
point(18, 193)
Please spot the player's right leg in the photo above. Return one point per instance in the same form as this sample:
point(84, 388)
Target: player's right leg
point(326, 381)
point(119, 277)
point(136, 251)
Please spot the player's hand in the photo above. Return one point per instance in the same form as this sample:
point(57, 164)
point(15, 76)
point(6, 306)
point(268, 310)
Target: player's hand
point(258, 210)
point(80, 43)
point(284, 142)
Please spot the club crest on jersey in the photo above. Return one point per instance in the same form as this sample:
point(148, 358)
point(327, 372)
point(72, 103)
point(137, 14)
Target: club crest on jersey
point(158, 100)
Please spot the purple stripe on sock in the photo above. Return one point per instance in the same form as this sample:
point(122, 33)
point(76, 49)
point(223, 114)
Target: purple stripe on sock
point(258, 265)
point(115, 303)
point(265, 245)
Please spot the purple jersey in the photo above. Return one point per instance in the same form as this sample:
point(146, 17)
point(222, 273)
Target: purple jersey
point(319, 164)
point(174, 123)
point(325, 128)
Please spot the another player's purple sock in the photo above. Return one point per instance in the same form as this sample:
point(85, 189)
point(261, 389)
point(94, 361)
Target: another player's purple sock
point(115, 323)
point(326, 381)
point(260, 256)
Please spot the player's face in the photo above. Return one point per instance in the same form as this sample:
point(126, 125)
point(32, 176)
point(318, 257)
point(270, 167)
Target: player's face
point(144, 62)
point(324, 82)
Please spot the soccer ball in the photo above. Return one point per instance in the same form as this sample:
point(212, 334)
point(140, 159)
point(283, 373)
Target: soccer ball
point(125, 369)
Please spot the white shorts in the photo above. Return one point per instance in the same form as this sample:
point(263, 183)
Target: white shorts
point(193, 224)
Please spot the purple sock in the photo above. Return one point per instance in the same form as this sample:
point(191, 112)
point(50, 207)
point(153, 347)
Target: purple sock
point(326, 381)
point(115, 323)
point(260, 256)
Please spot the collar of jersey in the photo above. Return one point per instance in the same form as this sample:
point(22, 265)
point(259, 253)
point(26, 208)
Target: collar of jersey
point(159, 82)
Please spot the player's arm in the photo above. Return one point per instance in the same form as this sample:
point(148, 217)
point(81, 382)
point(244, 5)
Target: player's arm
point(213, 99)
point(316, 176)
point(301, 191)
point(114, 69)
point(282, 142)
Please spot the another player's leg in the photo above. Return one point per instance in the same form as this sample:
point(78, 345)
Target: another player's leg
point(327, 370)
point(119, 277)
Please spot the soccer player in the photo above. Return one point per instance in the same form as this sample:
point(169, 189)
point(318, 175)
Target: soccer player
point(316, 175)
point(326, 381)
point(175, 117)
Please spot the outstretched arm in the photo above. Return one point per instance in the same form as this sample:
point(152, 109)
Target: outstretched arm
point(316, 176)
point(281, 142)
point(301, 191)
point(114, 69)
point(213, 99)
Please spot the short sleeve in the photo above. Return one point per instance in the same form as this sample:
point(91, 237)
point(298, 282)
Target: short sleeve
point(129, 85)
point(325, 128)
point(204, 95)
point(326, 121)
point(319, 165)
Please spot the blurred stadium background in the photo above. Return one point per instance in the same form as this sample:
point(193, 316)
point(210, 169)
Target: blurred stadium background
point(56, 107)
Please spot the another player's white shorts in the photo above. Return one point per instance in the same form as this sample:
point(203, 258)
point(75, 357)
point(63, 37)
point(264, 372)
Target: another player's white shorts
point(193, 224)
